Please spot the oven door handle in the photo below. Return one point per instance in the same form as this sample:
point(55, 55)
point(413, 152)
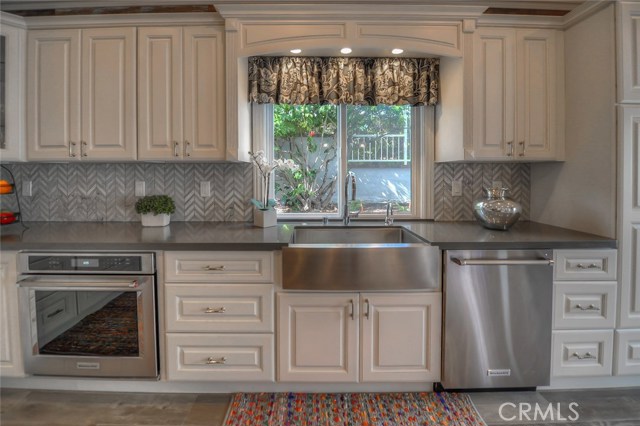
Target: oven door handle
point(129, 285)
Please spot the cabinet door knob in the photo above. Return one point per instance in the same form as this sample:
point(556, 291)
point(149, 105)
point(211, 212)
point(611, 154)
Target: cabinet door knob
point(176, 152)
point(187, 148)
point(367, 308)
point(72, 145)
point(220, 310)
point(83, 149)
point(353, 308)
point(213, 361)
point(521, 143)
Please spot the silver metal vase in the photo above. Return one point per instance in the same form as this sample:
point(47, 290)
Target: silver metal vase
point(496, 210)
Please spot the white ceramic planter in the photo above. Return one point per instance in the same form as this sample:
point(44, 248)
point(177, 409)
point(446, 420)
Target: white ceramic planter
point(150, 219)
point(265, 218)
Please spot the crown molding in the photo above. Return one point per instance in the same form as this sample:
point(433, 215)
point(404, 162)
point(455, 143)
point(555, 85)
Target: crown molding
point(124, 20)
point(9, 5)
point(12, 20)
point(584, 11)
point(349, 11)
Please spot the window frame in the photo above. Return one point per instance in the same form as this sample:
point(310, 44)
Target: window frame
point(422, 161)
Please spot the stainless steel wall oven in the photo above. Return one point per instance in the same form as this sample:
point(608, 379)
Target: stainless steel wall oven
point(88, 314)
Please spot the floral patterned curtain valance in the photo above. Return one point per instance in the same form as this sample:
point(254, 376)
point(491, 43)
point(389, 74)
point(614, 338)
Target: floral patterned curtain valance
point(351, 81)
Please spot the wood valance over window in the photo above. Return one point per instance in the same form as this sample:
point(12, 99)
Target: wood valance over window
point(351, 81)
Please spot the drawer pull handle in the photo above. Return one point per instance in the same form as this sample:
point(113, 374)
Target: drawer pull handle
point(220, 310)
point(213, 268)
point(213, 361)
point(591, 307)
point(585, 356)
point(55, 313)
point(590, 266)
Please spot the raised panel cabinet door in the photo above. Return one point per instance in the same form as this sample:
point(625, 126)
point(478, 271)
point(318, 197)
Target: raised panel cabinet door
point(536, 68)
point(53, 95)
point(204, 94)
point(628, 42)
point(160, 95)
point(13, 146)
point(400, 337)
point(494, 93)
point(629, 225)
point(108, 94)
point(10, 348)
point(318, 337)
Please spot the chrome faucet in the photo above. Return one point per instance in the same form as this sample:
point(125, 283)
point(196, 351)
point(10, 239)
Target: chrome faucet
point(388, 219)
point(347, 215)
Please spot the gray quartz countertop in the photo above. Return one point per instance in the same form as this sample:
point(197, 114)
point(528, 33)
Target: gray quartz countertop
point(243, 236)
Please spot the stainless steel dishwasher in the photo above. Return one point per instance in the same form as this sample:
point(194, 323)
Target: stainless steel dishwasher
point(497, 319)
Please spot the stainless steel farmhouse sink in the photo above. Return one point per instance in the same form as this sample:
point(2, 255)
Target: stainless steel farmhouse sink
point(359, 258)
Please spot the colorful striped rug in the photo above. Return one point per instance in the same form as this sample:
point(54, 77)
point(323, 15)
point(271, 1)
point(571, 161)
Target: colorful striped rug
point(352, 409)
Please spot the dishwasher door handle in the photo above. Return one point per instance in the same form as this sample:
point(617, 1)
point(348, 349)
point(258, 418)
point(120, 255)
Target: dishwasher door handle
point(493, 262)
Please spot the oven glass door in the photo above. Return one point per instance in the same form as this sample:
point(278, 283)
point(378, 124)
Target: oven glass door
point(102, 326)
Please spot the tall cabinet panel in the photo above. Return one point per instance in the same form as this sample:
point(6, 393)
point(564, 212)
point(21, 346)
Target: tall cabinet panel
point(53, 94)
point(628, 21)
point(629, 224)
point(109, 93)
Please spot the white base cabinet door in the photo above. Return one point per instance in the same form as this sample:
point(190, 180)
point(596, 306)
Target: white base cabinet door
point(318, 337)
point(628, 352)
point(401, 337)
point(10, 347)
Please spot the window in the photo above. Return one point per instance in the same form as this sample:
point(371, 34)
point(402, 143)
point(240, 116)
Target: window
point(382, 145)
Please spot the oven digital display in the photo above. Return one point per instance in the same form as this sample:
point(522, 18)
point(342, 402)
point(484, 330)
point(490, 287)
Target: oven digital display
point(84, 263)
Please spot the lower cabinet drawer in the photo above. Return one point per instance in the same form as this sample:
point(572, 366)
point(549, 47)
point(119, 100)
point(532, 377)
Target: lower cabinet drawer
point(216, 308)
point(584, 305)
point(582, 353)
point(220, 357)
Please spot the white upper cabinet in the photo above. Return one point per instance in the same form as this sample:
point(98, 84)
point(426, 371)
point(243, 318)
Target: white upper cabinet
point(628, 42)
point(181, 98)
point(515, 81)
point(537, 97)
point(12, 147)
point(53, 95)
point(81, 94)
point(494, 93)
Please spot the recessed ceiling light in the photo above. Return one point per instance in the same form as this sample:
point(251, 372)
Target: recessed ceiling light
point(296, 51)
point(345, 50)
point(397, 51)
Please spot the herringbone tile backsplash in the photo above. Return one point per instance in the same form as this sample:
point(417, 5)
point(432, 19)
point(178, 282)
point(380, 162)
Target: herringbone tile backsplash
point(474, 176)
point(105, 192)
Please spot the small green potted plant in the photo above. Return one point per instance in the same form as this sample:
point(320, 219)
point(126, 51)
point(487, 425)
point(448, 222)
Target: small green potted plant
point(155, 210)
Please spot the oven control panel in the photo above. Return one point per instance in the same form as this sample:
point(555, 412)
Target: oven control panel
point(108, 263)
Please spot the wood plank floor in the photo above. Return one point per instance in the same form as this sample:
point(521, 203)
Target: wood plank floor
point(19, 407)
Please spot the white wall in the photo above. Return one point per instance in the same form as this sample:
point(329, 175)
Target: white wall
point(581, 192)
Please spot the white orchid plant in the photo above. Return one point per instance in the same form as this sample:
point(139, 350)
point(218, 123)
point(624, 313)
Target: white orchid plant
point(266, 168)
